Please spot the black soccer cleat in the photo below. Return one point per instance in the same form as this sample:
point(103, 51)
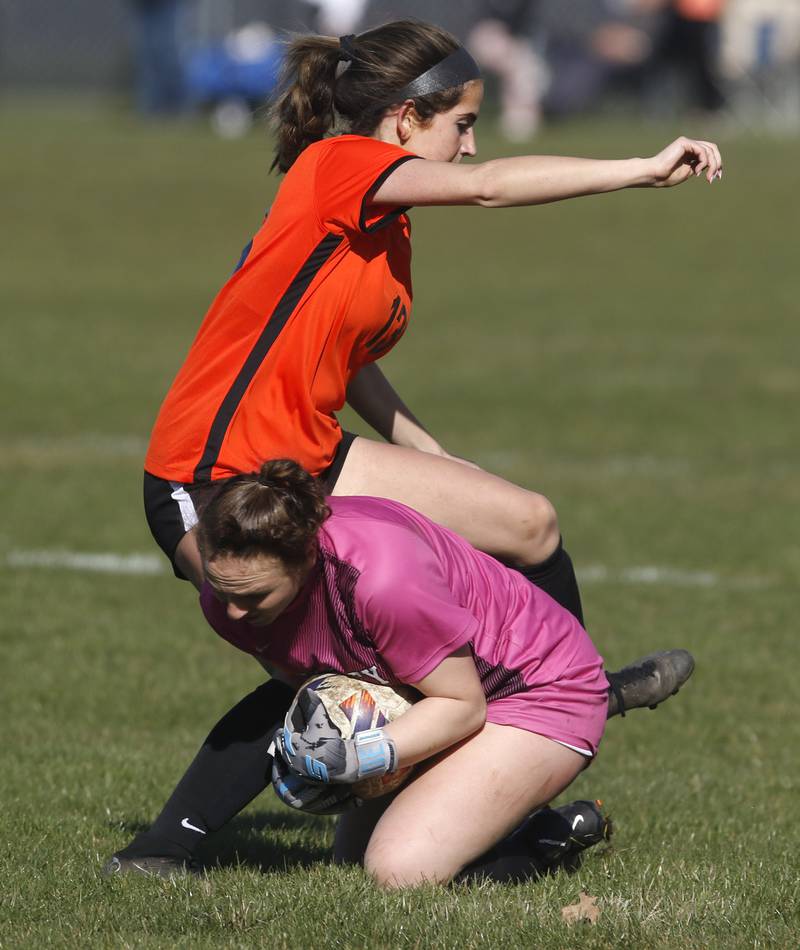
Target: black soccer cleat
point(558, 836)
point(587, 823)
point(648, 681)
point(150, 866)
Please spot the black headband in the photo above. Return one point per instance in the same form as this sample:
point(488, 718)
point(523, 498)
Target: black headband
point(347, 52)
point(454, 70)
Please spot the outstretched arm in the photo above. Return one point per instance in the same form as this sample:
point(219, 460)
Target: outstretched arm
point(539, 179)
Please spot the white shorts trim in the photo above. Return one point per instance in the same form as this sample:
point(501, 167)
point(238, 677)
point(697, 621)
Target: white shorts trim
point(588, 753)
point(185, 504)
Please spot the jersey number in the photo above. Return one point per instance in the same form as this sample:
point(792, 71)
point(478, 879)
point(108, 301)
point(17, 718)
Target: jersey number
point(390, 332)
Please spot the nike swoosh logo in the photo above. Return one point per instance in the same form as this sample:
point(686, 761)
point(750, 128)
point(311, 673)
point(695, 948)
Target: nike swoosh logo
point(577, 821)
point(185, 823)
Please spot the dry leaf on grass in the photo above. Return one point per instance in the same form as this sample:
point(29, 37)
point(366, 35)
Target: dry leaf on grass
point(586, 909)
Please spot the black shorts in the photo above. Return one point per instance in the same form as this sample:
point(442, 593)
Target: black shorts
point(173, 508)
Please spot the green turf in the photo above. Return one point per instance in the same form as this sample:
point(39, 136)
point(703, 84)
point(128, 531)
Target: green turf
point(633, 356)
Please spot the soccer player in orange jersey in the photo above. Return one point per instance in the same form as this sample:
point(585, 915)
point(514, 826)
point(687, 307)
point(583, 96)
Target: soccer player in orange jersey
point(324, 290)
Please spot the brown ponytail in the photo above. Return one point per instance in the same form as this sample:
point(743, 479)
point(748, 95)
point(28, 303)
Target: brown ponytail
point(321, 92)
point(277, 511)
point(304, 111)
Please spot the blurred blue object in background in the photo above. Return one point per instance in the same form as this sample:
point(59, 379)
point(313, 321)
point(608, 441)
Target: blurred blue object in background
point(234, 77)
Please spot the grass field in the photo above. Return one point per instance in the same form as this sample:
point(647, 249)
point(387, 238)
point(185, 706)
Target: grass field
point(634, 356)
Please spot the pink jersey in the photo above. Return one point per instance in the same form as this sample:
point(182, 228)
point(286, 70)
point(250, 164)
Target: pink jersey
point(393, 594)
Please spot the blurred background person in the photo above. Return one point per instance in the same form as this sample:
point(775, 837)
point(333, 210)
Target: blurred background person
point(597, 51)
point(159, 77)
point(760, 60)
point(501, 41)
point(687, 45)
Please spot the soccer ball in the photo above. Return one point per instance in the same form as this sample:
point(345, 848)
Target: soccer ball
point(353, 705)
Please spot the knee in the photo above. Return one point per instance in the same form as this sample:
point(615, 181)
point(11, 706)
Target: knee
point(393, 866)
point(538, 526)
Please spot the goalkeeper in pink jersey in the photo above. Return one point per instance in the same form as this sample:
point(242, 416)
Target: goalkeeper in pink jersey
point(514, 695)
point(514, 703)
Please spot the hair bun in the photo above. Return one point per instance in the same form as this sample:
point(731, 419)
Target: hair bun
point(243, 519)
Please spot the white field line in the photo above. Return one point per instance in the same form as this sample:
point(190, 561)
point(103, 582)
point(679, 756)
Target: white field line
point(153, 564)
point(103, 563)
point(666, 576)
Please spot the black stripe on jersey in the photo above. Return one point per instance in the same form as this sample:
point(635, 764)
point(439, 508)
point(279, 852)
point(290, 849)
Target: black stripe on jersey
point(277, 321)
point(393, 215)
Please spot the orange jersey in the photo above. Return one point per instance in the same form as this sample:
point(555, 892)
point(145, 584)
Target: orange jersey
point(324, 288)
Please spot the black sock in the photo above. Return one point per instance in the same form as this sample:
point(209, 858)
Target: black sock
point(538, 845)
point(556, 576)
point(231, 768)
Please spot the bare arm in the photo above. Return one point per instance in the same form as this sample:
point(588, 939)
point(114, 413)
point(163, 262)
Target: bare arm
point(374, 398)
point(454, 707)
point(539, 179)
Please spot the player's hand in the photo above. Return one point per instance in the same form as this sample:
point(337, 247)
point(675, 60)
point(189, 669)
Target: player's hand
point(683, 159)
point(323, 758)
point(310, 797)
